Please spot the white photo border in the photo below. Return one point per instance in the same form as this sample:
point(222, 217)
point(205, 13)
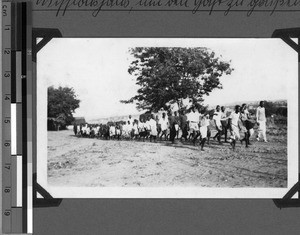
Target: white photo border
point(168, 192)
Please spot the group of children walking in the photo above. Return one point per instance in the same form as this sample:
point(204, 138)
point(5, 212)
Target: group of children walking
point(193, 125)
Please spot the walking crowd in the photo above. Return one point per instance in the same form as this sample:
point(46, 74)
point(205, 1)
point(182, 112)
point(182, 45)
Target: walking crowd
point(185, 125)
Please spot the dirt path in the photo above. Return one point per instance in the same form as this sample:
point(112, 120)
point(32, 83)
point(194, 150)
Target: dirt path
point(74, 161)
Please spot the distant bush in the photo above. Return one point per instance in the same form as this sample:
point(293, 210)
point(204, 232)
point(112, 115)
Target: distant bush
point(282, 111)
point(271, 109)
point(280, 119)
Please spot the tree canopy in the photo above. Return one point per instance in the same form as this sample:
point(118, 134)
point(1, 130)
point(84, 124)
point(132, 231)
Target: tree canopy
point(168, 74)
point(62, 102)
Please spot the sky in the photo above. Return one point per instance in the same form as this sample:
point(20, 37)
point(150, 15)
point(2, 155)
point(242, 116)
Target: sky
point(97, 70)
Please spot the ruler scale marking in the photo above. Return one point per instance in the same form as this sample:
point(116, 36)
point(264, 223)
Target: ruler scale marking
point(13, 180)
point(6, 151)
point(17, 167)
point(19, 129)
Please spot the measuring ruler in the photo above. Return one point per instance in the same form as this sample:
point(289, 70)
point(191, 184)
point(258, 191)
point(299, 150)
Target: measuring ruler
point(16, 172)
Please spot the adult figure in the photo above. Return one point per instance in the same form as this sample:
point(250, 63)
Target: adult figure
point(183, 124)
point(118, 130)
point(130, 120)
point(142, 128)
point(193, 119)
point(148, 127)
point(217, 119)
point(172, 123)
point(153, 128)
point(135, 128)
point(204, 123)
point(248, 124)
point(158, 125)
point(207, 121)
point(164, 123)
point(261, 121)
point(75, 129)
point(177, 120)
point(224, 122)
point(235, 125)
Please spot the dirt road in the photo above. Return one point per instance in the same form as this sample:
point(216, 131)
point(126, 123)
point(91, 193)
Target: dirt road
point(74, 161)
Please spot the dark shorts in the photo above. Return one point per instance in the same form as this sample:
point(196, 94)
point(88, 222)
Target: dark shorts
point(249, 124)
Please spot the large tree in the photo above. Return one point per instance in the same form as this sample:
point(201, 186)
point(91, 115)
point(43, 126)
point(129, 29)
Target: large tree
point(169, 74)
point(62, 102)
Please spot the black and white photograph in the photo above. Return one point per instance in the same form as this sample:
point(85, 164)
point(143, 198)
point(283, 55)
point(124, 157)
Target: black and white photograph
point(167, 117)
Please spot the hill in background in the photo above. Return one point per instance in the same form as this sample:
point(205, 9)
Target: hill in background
point(112, 119)
point(253, 104)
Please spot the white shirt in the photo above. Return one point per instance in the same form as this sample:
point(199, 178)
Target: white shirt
point(234, 118)
point(141, 125)
point(159, 113)
point(186, 103)
point(217, 117)
point(112, 129)
point(88, 130)
point(174, 107)
point(204, 122)
point(152, 124)
point(126, 128)
point(223, 115)
point(193, 116)
point(135, 127)
point(147, 125)
point(260, 114)
point(163, 123)
point(244, 115)
point(207, 122)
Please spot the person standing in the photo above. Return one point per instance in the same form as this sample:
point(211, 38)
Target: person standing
point(204, 123)
point(153, 128)
point(148, 127)
point(177, 122)
point(75, 129)
point(118, 130)
point(130, 120)
point(224, 122)
point(244, 118)
point(135, 128)
point(163, 123)
point(248, 123)
point(157, 125)
point(235, 126)
point(207, 121)
point(142, 128)
point(172, 122)
point(194, 118)
point(261, 121)
point(183, 125)
point(217, 118)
